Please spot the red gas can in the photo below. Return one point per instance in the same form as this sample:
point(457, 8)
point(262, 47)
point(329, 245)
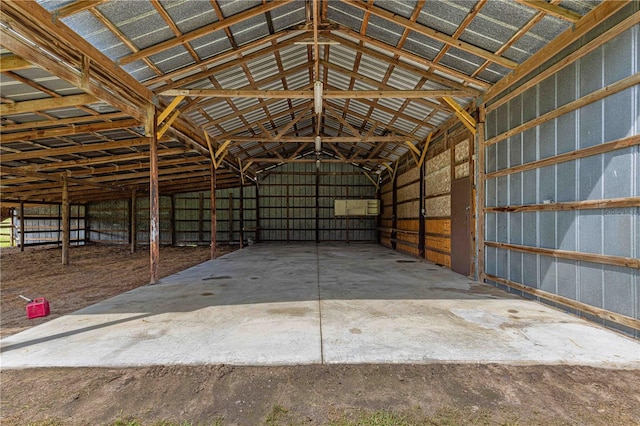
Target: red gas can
point(38, 308)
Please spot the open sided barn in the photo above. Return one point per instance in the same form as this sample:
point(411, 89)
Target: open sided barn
point(499, 139)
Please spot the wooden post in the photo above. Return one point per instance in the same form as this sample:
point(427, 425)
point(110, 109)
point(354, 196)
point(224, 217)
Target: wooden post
point(317, 205)
point(214, 229)
point(172, 221)
point(241, 215)
point(13, 227)
point(230, 213)
point(394, 210)
point(287, 209)
point(200, 217)
point(480, 195)
point(154, 199)
point(257, 213)
point(65, 222)
point(421, 227)
point(347, 217)
point(133, 229)
point(21, 225)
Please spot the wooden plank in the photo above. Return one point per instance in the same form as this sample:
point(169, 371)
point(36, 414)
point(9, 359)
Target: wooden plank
point(438, 226)
point(202, 31)
point(584, 50)
point(573, 304)
point(439, 258)
point(569, 156)
point(74, 149)
point(552, 9)
point(25, 107)
point(308, 94)
point(31, 125)
point(68, 130)
point(75, 7)
point(572, 255)
point(586, 24)
point(66, 231)
point(610, 203)
point(409, 56)
point(442, 244)
point(431, 33)
point(480, 194)
point(609, 90)
point(21, 225)
point(151, 130)
point(13, 63)
point(133, 228)
point(213, 207)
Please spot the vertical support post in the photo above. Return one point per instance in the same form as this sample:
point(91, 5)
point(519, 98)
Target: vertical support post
point(154, 197)
point(133, 228)
point(59, 242)
point(394, 211)
point(13, 227)
point(421, 227)
point(347, 216)
point(230, 213)
point(379, 217)
point(480, 195)
point(172, 220)
point(87, 224)
point(241, 215)
point(317, 205)
point(287, 207)
point(257, 213)
point(200, 217)
point(21, 225)
point(65, 222)
point(214, 225)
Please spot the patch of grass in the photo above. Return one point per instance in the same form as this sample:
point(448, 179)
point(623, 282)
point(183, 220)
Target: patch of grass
point(378, 418)
point(277, 412)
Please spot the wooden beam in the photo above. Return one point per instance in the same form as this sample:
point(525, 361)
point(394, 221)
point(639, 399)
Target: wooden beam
point(13, 63)
point(75, 7)
point(308, 94)
point(46, 104)
point(53, 177)
point(14, 127)
point(66, 232)
point(552, 9)
point(570, 303)
point(202, 31)
point(431, 33)
point(67, 130)
point(466, 119)
point(609, 90)
point(610, 203)
point(571, 58)
point(586, 24)
point(628, 262)
point(447, 81)
point(74, 149)
point(213, 207)
point(151, 129)
point(169, 109)
point(133, 228)
point(569, 156)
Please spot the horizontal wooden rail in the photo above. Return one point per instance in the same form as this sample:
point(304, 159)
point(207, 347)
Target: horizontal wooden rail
point(401, 231)
point(628, 262)
point(570, 205)
point(570, 303)
point(568, 156)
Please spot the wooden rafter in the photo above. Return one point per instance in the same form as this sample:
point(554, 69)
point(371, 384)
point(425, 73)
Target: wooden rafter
point(202, 31)
point(431, 33)
point(552, 9)
point(308, 94)
point(13, 63)
point(75, 7)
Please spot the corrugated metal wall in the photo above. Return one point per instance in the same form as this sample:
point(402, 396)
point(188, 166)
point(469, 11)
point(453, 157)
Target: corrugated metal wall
point(288, 199)
point(43, 224)
point(562, 242)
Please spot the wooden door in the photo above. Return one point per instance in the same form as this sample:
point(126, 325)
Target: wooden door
point(460, 220)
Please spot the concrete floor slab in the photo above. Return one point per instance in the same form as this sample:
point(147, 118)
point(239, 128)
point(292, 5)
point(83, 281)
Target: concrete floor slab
point(278, 304)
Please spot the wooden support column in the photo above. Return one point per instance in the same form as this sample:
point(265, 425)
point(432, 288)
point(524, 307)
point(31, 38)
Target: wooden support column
point(65, 222)
point(257, 212)
point(347, 217)
point(133, 229)
point(241, 215)
point(394, 210)
point(172, 220)
point(287, 209)
point(480, 196)
point(230, 215)
point(154, 197)
point(421, 215)
point(13, 227)
point(200, 217)
point(21, 225)
point(317, 205)
point(214, 225)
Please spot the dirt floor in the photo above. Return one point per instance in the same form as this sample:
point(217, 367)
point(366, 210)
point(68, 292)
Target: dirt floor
point(435, 394)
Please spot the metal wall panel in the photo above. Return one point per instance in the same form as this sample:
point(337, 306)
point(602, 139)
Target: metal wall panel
point(610, 175)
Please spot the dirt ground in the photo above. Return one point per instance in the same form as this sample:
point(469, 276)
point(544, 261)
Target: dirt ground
point(435, 394)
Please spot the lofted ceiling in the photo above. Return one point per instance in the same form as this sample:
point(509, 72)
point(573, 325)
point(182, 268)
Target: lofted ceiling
point(234, 79)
